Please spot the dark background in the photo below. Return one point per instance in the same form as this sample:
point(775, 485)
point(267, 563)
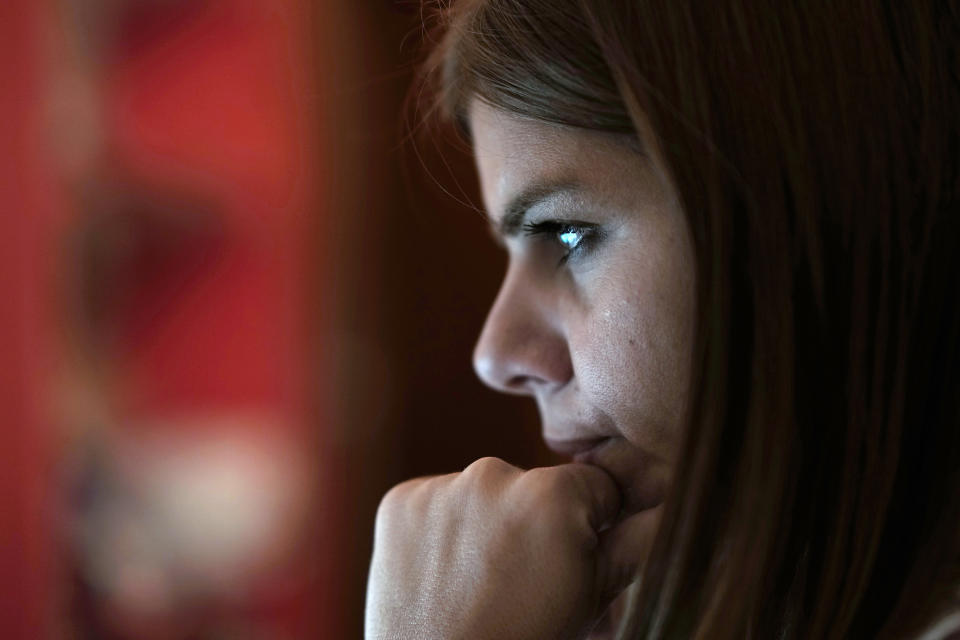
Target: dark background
point(428, 255)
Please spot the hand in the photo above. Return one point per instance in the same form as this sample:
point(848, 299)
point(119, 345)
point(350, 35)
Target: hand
point(498, 552)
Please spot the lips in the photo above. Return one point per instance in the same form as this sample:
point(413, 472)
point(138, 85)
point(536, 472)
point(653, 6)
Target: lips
point(575, 447)
point(628, 466)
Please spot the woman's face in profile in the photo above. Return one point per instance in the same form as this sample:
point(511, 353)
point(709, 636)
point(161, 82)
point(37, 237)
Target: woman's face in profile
point(595, 315)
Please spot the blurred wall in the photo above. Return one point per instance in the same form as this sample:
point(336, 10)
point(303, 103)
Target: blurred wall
point(26, 549)
point(166, 448)
point(244, 284)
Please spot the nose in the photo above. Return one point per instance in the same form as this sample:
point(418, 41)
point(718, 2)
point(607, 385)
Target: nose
point(522, 348)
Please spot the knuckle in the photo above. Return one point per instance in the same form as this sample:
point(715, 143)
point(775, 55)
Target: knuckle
point(556, 496)
point(401, 491)
point(549, 481)
point(389, 504)
point(537, 480)
point(486, 468)
point(543, 489)
point(400, 499)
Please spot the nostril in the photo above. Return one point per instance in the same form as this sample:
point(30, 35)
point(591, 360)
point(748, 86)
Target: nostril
point(523, 383)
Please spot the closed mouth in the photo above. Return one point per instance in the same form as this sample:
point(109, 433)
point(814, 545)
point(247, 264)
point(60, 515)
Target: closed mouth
point(629, 470)
point(575, 448)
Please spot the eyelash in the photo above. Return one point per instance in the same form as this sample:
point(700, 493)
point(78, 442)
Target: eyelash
point(556, 228)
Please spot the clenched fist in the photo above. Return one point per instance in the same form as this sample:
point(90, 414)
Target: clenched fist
point(499, 552)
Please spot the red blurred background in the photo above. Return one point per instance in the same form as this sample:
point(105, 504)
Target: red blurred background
point(241, 284)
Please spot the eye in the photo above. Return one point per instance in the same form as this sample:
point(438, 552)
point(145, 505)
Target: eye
point(571, 236)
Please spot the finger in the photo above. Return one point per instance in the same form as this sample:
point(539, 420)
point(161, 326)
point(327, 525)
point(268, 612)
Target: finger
point(624, 549)
point(600, 492)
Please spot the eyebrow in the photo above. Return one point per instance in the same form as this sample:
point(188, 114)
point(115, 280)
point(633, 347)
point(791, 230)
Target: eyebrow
point(536, 194)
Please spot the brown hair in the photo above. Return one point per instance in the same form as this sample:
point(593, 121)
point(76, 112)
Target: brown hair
point(815, 148)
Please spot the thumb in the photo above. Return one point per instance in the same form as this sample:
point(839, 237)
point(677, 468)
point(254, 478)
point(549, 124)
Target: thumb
point(624, 549)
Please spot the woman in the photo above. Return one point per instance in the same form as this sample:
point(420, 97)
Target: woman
point(732, 292)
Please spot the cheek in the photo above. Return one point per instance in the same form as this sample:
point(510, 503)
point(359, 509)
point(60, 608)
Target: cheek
point(632, 361)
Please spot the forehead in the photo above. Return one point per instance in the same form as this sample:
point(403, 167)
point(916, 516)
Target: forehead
point(514, 153)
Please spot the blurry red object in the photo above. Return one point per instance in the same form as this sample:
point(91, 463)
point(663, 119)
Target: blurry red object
point(26, 330)
point(178, 256)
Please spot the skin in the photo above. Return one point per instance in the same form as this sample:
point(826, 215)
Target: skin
point(594, 321)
